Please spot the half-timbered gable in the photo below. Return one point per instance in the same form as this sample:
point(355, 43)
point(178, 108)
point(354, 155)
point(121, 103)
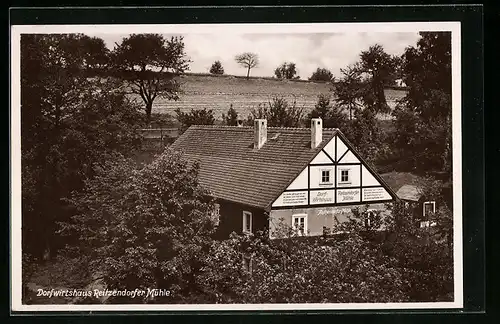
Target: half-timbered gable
point(336, 175)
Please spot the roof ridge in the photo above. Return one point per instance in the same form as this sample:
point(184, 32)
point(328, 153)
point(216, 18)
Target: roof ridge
point(251, 127)
point(215, 126)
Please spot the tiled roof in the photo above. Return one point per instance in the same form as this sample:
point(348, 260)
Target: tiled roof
point(396, 180)
point(231, 169)
point(409, 192)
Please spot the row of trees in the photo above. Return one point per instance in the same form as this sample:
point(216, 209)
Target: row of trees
point(287, 70)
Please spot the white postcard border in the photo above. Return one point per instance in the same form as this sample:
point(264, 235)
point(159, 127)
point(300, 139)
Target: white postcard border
point(15, 151)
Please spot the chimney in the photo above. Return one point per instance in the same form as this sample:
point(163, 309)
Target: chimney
point(316, 132)
point(239, 123)
point(260, 133)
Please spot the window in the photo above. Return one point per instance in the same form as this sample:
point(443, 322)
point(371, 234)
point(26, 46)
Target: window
point(344, 175)
point(325, 176)
point(370, 218)
point(216, 214)
point(247, 222)
point(299, 224)
point(428, 207)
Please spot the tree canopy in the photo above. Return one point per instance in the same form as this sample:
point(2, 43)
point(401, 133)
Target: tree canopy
point(248, 60)
point(349, 90)
point(331, 114)
point(231, 118)
point(286, 71)
point(149, 62)
point(194, 117)
point(144, 228)
point(380, 69)
point(278, 112)
point(321, 74)
point(217, 68)
point(423, 118)
point(70, 122)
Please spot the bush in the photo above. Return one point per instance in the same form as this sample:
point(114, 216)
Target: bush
point(279, 113)
point(298, 271)
point(195, 117)
point(331, 115)
point(321, 74)
point(231, 119)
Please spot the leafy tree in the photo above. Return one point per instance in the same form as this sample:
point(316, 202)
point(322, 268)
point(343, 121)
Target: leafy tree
point(423, 256)
point(195, 117)
point(349, 90)
point(423, 117)
point(298, 271)
point(149, 62)
point(321, 74)
point(331, 115)
point(96, 55)
point(427, 73)
point(145, 228)
point(278, 112)
point(365, 135)
point(286, 71)
point(381, 70)
point(69, 123)
point(217, 68)
point(247, 60)
point(231, 119)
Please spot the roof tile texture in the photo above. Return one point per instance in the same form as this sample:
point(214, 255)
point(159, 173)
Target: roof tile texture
point(231, 169)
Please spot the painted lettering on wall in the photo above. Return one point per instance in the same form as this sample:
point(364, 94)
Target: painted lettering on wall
point(370, 194)
point(322, 197)
point(334, 211)
point(292, 198)
point(348, 195)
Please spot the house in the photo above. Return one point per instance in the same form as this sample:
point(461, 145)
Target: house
point(421, 207)
point(309, 178)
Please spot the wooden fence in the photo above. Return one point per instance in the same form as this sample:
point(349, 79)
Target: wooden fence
point(159, 133)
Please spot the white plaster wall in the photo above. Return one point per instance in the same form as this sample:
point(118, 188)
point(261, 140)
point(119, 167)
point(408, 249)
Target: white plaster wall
point(300, 182)
point(354, 175)
point(368, 178)
point(315, 176)
point(317, 217)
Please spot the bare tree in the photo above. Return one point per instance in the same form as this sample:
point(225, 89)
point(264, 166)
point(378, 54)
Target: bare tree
point(247, 60)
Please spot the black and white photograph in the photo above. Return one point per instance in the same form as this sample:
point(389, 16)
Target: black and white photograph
point(236, 167)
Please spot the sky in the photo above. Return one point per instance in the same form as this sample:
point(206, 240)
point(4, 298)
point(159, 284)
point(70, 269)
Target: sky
point(308, 51)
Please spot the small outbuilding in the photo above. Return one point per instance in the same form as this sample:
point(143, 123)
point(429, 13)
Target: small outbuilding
point(413, 198)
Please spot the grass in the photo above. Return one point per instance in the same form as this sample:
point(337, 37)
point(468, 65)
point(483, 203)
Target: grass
point(217, 93)
point(60, 273)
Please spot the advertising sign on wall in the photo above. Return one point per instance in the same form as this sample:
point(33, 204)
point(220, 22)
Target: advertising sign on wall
point(291, 198)
point(322, 197)
point(348, 195)
point(371, 194)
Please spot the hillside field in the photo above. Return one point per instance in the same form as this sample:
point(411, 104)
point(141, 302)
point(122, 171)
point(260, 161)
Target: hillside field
point(217, 93)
